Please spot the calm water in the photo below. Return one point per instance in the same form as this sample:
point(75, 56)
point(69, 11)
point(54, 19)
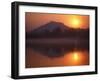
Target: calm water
point(57, 54)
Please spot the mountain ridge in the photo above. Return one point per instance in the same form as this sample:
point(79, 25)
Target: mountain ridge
point(56, 29)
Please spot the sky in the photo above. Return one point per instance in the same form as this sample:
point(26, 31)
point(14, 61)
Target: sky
point(35, 20)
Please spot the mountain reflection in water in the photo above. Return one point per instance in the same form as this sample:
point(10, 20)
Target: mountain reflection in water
point(56, 55)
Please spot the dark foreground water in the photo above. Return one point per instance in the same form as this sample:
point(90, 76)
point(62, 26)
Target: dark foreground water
point(51, 54)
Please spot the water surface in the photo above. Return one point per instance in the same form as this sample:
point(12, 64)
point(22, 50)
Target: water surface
point(54, 55)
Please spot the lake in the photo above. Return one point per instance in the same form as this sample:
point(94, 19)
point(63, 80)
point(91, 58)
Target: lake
point(54, 53)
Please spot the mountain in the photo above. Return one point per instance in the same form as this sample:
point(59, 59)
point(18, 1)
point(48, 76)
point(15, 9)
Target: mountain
point(57, 30)
point(51, 27)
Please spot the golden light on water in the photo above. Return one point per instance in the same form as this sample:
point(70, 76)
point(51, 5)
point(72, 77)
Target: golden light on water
point(71, 58)
point(77, 58)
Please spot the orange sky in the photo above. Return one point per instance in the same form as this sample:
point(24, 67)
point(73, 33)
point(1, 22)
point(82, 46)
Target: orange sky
point(34, 20)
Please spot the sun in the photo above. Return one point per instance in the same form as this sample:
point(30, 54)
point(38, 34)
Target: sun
point(75, 23)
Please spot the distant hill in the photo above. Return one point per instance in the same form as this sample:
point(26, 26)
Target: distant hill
point(57, 30)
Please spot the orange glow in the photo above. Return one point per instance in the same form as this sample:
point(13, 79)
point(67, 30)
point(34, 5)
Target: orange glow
point(77, 58)
point(76, 23)
point(72, 58)
point(35, 20)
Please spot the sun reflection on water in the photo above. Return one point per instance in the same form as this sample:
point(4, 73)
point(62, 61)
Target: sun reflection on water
point(77, 58)
point(74, 57)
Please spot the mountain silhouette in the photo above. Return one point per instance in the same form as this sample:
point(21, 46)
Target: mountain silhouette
point(51, 26)
point(57, 30)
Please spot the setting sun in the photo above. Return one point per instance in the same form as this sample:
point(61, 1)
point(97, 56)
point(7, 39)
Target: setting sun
point(76, 23)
